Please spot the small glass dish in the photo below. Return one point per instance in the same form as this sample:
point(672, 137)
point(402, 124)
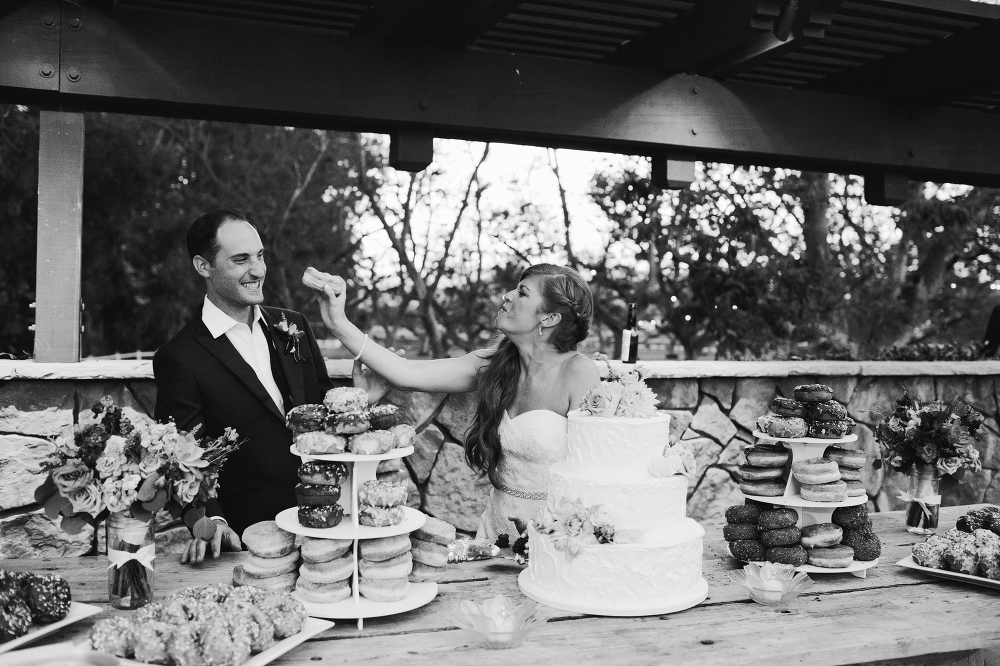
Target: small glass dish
point(772, 584)
point(497, 623)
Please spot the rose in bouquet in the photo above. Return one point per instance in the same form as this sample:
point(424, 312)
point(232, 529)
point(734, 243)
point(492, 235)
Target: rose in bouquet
point(620, 394)
point(939, 434)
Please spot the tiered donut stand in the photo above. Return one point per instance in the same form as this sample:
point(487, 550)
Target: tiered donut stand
point(357, 607)
point(812, 513)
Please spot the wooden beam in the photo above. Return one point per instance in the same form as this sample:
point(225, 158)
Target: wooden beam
point(397, 19)
point(29, 47)
point(173, 65)
point(461, 22)
point(411, 150)
point(886, 189)
point(60, 228)
point(670, 173)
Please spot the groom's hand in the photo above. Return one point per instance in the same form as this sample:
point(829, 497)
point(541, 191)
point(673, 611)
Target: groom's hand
point(196, 548)
point(371, 382)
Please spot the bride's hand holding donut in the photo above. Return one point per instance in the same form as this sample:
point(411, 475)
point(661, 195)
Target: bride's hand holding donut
point(332, 293)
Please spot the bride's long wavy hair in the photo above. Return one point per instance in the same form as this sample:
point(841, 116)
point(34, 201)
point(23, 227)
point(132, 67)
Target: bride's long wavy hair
point(562, 291)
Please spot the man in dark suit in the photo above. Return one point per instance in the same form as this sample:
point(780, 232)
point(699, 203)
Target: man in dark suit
point(242, 365)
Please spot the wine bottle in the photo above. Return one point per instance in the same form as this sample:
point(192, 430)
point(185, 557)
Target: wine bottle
point(630, 337)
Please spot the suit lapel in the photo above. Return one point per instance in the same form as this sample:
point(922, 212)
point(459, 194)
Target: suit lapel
point(224, 350)
point(293, 370)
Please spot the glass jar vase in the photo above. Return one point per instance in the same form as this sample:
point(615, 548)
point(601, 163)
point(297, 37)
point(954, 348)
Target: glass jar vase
point(131, 550)
point(923, 499)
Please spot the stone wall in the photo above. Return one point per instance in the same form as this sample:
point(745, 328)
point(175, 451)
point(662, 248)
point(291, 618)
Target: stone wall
point(713, 406)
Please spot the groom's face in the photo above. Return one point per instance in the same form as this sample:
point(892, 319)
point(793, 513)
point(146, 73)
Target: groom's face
point(236, 276)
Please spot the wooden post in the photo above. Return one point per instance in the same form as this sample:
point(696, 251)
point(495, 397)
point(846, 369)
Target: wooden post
point(886, 188)
point(60, 217)
point(671, 174)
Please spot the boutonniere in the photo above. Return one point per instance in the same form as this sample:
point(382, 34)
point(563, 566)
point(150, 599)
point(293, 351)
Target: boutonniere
point(292, 335)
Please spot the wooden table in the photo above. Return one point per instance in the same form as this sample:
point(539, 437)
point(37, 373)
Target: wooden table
point(893, 614)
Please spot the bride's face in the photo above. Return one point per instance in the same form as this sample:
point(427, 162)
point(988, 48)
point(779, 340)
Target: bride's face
point(521, 311)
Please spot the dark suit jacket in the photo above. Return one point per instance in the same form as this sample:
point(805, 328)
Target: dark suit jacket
point(204, 380)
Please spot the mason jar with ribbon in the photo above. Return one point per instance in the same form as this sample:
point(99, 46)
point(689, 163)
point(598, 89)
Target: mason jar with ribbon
point(131, 551)
point(923, 499)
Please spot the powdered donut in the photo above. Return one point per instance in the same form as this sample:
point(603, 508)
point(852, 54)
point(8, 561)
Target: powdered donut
point(844, 457)
point(788, 407)
point(389, 589)
point(329, 593)
point(346, 399)
point(762, 488)
point(833, 557)
point(775, 519)
point(767, 455)
point(813, 393)
point(786, 427)
point(255, 566)
point(740, 532)
point(835, 491)
point(423, 573)
point(831, 410)
point(751, 473)
point(384, 548)
point(855, 489)
point(268, 540)
point(821, 535)
point(324, 550)
point(431, 554)
point(435, 530)
point(848, 474)
point(815, 471)
point(831, 429)
point(283, 583)
point(394, 567)
point(332, 571)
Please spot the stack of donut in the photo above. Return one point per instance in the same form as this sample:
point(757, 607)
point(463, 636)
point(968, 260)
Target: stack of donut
point(318, 492)
point(273, 561)
point(764, 473)
point(384, 568)
point(27, 597)
point(858, 532)
point(430, 550)
point(820, 480)
point(380, 503)
point(822, 542)
point(345, 422)
point(850, 462)
point(756, 534)
point(326, 571)
point(812, 413)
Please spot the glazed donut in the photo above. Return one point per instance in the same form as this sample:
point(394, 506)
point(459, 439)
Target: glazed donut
point(306, 418)
point(323, 550)
point(372, 443)
point(815, 470)
point(319, 443)
point(266, 539)
point(347, 423)
point(748, 550)
point(831, 429)
point(821, 535)
point(788, 407)
point(763, 488)
point(384, 417)
point(865, 542)
point(423, 573)
point(751, 473)
point(255, 567)
point(323, 473)
point(431, 554)
point(850, 458)
point(403, 434)
point(767, 455)
point(848, 474)
point(399, 478)
point(834, 491)
point(831, 410)
point(851, 517)
point(383, 548)
point(374, 516)
point(331, 571)
point(327, 593)
point(775, 519)
point(742, 514)
point(394, 567)
point(786, 427)
point(383, 589)
point(328, 515)
point(381, 494)
point(832, 557)
point(794, 555)
point(389, 465)
point(785, 536)
point(309, 494)
point(285, 611)
point(813, 393)
point(855, 489)
point(345, 399)
point(740, 532)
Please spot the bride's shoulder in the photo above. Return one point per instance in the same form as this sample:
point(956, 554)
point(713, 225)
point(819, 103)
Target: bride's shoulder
point(583, 369)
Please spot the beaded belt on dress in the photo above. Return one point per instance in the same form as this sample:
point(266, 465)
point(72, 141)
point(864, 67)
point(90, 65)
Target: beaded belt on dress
point(523, 494)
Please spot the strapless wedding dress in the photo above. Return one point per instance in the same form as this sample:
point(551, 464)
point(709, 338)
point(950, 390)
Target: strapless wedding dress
point(530, 443)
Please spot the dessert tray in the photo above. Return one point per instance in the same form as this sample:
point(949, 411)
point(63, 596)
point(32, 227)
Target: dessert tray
point(353, 457)
point(77, 611)
point(288, 520)
point(909, 563)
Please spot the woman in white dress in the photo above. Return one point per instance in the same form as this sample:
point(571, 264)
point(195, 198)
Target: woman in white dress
point(526, 383)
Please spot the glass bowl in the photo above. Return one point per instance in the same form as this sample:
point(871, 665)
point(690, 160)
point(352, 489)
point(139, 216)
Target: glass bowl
point(772, 584)
point(497, 623)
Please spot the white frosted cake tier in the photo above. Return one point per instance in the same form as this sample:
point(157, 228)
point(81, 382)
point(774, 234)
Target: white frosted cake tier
point(649, 503)
point(619, 578)
point(619, 447)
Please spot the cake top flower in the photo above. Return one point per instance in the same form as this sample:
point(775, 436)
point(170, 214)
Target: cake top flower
point(620, 394)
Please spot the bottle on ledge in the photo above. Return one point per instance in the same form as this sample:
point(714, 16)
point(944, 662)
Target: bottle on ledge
point(630, 337)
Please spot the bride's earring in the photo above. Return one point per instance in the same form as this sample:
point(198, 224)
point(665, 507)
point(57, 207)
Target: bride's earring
point(539, 330)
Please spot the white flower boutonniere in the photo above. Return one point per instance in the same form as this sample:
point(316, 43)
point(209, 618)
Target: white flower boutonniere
point(292, 336)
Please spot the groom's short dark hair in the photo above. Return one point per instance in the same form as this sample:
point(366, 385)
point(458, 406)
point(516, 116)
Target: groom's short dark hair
point(203, 234)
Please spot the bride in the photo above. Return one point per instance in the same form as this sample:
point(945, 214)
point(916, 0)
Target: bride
point(526, 383)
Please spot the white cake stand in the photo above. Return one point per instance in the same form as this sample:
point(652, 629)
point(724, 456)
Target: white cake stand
point(658, 607)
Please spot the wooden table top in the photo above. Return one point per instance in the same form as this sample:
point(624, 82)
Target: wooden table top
point(893, 613)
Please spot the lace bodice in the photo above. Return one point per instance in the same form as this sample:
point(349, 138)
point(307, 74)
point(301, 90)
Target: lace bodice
point(531, 442)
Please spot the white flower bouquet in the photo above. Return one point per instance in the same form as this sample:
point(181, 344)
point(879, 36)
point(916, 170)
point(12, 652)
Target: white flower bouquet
point(621, 394)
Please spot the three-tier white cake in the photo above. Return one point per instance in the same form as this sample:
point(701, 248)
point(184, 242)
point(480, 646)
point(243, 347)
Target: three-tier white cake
point(659, 569)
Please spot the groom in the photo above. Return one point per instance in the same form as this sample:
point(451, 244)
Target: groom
point(242, 365)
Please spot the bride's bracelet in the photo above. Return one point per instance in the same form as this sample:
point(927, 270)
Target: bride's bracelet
point(362, 350)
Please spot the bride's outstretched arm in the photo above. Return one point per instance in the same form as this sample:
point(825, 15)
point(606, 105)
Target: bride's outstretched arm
point(447, 375)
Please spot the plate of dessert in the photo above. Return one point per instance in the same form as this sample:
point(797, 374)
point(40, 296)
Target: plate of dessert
point(34, 605)
point(909, 563)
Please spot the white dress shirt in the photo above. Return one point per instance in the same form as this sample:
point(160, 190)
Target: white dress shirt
point(252, 344)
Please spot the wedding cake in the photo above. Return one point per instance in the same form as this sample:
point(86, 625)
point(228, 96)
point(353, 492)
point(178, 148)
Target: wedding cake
point(614, 537)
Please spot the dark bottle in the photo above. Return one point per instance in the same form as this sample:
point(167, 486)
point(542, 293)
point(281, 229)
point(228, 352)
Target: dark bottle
point(630, 337)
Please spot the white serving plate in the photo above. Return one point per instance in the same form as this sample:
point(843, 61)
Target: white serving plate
point(857, 568)
point(807, 440)
point(77, 611)
point(311, 628)
point(288, 520)
point(909, 563)
point(419, 594)
point(796, 500)
point(353, 457)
